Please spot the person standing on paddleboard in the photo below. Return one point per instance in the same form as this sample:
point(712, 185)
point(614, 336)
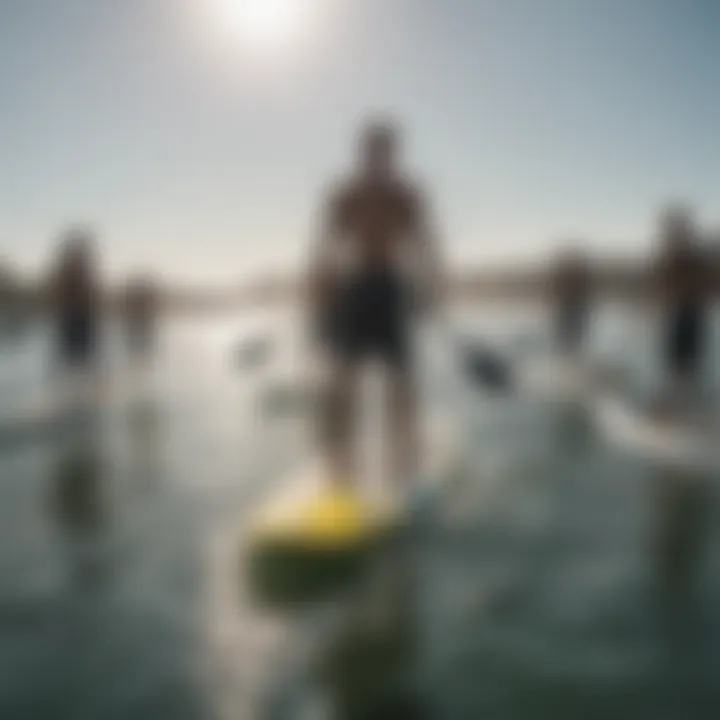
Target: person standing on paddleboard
point(374, 226)
point(683, 283)
point(11, 303)
point(139, 314)
point(75, 303)
point(571, 290)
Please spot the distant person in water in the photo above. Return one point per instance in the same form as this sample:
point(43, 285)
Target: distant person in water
point(683, 283)
point(372, 222)
point(75, 299)
point(572, 289)
point(10, 303)
point(140, 311)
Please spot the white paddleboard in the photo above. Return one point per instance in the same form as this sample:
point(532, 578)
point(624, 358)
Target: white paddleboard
point(677, 439)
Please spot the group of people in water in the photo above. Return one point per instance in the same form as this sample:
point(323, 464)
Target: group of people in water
point(73, 299)
point(682, 284)
point(75, 296)
point(377, 265)
point(376, 268)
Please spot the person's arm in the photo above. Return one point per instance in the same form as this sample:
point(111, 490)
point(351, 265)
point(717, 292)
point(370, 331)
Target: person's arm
point(432, 270)
point(708, 275)
point(49, 294)
point(321, 270)
point(660, 279)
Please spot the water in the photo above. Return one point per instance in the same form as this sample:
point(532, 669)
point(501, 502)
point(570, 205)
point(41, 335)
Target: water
point(561, 578)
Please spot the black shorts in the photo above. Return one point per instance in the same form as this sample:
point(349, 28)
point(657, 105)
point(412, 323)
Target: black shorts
point(685, 343)
point(77, 340)
point(571, 325)
point(370, 318)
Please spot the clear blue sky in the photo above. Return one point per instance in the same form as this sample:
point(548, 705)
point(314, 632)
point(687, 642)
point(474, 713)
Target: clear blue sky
point(529, 119)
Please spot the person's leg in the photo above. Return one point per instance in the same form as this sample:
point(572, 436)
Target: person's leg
point(571, 327)
point(666, 404)
point(340, 336)
point(692, 351)
point(91, 373)
point(681, 359)
point(560, 321)
point(62, 376)
point(404, 438)
point(395, 347)
point(338, 421)
point(579, 326)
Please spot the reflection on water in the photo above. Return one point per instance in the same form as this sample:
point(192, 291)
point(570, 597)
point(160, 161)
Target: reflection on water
point(145, 438)
point(681, 541)
point(79, 507)
point(682, 501)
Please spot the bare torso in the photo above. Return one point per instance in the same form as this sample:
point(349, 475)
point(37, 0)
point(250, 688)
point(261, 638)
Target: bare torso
point(75, 293)
point(572, 284)
point(376, 220)
point(683, 275)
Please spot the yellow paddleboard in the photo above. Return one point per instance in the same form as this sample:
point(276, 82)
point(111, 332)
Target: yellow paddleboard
point(329, 517)
point(313, 536)
point(311, 512)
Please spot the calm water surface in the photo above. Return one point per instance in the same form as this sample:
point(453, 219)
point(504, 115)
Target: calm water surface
point(560, 578)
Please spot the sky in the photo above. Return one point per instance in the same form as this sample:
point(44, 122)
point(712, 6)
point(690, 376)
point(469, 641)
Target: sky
point(201, 151)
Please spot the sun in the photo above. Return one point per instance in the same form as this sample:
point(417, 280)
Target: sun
point(263, 23)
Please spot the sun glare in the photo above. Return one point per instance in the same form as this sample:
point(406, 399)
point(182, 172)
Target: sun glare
point(263, 23)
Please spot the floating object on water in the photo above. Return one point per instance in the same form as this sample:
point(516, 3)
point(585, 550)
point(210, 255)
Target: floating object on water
point(487, 367)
